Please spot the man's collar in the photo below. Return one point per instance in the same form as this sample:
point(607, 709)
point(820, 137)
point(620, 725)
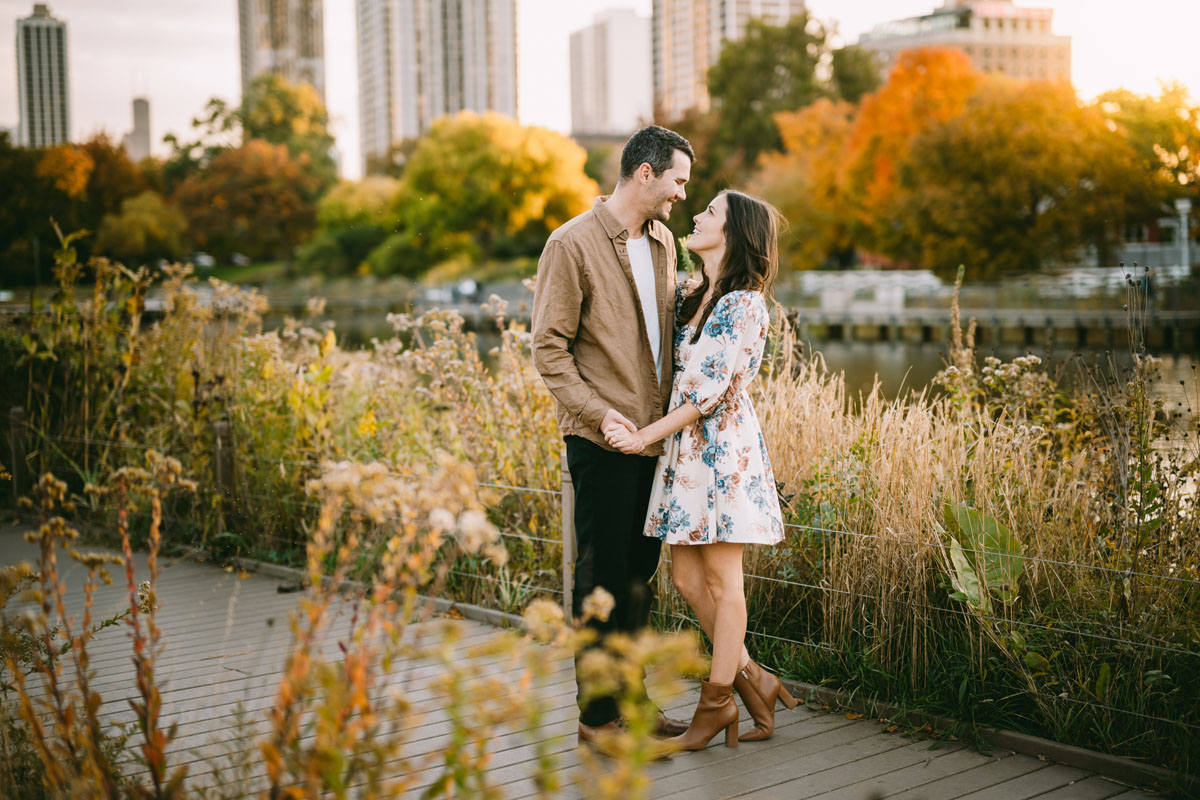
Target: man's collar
point(614, 228)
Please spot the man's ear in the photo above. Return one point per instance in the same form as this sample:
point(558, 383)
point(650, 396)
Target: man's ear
point(646, 172)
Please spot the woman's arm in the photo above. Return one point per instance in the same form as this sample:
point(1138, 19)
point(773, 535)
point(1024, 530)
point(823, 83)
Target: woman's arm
point(676, 420)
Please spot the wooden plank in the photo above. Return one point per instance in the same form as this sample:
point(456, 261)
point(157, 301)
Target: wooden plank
point(809, 777)
point(948, 766)
point(1097, 787)
point(993, 771)
point(1031, 785)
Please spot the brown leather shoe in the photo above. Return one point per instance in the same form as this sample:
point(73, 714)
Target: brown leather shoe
point(715, 712)
point(759, 691)
point(599, 737)
point(669, 727)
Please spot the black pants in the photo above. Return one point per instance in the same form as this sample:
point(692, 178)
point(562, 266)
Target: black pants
point(612, 491)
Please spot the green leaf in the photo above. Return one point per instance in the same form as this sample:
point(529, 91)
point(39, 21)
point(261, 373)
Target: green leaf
point(1102, 680)
point(1036, 661)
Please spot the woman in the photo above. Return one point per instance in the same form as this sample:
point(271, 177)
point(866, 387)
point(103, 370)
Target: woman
point(714, 490)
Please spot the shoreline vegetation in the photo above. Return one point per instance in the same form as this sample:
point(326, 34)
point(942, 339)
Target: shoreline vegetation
point(1004, 551)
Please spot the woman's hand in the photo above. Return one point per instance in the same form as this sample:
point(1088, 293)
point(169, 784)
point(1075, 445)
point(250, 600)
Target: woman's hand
point(625, 441)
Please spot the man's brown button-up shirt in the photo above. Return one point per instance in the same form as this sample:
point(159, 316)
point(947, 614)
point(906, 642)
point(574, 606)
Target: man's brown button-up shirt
point(589, 333)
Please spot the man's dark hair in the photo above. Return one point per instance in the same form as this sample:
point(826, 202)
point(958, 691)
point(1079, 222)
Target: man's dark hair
point(656, 146)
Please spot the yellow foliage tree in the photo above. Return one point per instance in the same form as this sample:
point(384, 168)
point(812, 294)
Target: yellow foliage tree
point(486, 183)
point(68, 168)
point(806, 182)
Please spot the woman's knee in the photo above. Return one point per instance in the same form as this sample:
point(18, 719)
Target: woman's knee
point(689, 583)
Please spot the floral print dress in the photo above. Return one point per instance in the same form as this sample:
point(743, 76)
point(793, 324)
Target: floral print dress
point(714, 482)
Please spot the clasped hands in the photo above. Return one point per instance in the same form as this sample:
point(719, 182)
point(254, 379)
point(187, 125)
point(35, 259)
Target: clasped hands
point(621, 433)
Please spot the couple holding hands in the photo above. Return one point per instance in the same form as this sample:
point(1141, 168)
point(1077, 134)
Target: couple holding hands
point(651, 380)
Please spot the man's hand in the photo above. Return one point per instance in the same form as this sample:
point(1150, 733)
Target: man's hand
point(628, 443)
point(614, 421)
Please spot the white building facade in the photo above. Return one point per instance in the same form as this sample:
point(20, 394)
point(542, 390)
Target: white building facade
point(611, 90)
point(422, 59)
point(286, 37)
point(43, 80)
point(687, 37)
point(997, 35)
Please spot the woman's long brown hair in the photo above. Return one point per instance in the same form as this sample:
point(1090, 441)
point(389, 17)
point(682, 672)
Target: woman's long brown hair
point(751, 259)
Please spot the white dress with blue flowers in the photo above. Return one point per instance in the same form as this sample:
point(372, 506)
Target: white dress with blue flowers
point(714, 482)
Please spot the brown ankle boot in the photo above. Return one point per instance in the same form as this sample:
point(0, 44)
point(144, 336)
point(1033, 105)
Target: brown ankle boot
point(759, 690)
point(716, 711)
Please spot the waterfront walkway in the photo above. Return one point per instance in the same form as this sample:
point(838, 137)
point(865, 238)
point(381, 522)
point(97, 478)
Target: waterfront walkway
point(227, 634)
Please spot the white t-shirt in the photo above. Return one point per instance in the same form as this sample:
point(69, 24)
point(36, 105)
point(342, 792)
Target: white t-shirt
point(643, 275)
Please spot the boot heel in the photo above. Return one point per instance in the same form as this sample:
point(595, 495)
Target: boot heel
point(786, 697)
point(731, 734)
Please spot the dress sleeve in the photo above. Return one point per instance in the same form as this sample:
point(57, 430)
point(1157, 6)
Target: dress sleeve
point(728, 353)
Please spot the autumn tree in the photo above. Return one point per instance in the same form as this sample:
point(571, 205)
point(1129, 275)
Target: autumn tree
point(272, 110)
point(1026, 176)
point(147, 228)
point(1165, 133)
point(926, 87)
point(257, 199)
point(807, 182)
point(484, 186)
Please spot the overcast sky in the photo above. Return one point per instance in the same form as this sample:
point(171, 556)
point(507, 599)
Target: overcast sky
point(179, 53)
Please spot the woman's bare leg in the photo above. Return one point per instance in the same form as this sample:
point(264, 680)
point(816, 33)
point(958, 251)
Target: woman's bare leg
point(688, 566)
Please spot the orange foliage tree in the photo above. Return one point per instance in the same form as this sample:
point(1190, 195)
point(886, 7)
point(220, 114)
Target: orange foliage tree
point(257, 198)
point(1027, 176)
point(926, 87)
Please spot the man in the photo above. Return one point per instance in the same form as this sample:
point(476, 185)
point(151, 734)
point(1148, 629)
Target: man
point(603, 325)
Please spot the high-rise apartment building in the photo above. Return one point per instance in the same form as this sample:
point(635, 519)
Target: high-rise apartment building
point(687, 39)
point(43, 80)
point(610, 61)
point(283, 36)
point(998, 36)
point(422, 59)
point(137, 141)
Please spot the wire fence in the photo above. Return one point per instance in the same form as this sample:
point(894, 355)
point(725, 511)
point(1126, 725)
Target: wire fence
point(524, 588)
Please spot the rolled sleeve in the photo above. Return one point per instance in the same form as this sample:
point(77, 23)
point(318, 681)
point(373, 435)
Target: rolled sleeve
point(557, 305)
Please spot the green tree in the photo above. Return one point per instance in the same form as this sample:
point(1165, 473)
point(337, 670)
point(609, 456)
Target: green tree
point(26, 206)
point(485, 186)
point(855, 72)
point(353, 219)
point(772, 68)
point(257, 199)
point(146, 229)
point(1025, 177)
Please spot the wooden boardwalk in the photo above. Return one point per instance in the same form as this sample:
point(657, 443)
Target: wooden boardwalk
point(227, 636)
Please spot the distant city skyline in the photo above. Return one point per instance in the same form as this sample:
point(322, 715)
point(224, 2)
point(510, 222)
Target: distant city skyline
point(178, 54)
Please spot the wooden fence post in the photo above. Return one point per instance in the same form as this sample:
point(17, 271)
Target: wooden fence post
point(17, 432)
point(568, 537)
point(223, 465)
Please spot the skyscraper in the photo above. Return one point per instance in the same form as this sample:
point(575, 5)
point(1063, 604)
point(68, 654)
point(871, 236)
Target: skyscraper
point(137, 141)
point(610, 60)
point(283, 36)
point(43, 80)
point(687, 39)
point(997, 35)
point(422, 59)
